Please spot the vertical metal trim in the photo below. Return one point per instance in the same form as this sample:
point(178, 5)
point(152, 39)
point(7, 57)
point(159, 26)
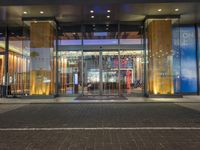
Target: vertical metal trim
point(197, 58)
point(119, 62)
point(57, 73)
point(145, 58)
point(101, 72)
point(6, 59)
point(82, 60)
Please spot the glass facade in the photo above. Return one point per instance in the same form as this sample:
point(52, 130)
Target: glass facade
point(43, 59)
point(38, 49)
point(102, 66)
point(2, 57)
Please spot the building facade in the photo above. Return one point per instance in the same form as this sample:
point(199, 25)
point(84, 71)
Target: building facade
point(101, 53)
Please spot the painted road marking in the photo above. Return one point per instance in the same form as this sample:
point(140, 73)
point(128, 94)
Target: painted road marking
point(100, 128)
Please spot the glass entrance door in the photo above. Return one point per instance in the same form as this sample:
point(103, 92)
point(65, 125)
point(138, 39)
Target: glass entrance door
point(110, 73)
point(91, 73)
point(100, 72)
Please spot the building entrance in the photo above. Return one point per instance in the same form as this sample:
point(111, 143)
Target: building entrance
point(101, 72)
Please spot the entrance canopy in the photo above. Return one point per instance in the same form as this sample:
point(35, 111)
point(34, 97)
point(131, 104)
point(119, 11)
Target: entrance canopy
point(12, 11)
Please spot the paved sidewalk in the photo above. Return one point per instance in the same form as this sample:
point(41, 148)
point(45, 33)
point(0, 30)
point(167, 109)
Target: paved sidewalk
point(100, 126)
point(185, 99)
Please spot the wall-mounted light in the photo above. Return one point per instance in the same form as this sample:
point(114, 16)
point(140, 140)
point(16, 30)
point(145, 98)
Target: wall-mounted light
point(108, 16)
point(108, 11)
point(41, 12)
point(176, 9)
point(25, 12)
point(92, 16)
point(91, 11)
point(159, 10)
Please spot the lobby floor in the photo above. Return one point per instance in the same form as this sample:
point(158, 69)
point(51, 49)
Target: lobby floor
point(100, 126)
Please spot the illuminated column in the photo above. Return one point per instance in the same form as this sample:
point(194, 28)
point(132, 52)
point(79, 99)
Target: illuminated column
point(160, 57)
point(41, 54)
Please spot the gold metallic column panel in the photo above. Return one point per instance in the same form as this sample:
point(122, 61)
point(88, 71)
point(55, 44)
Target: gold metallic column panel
point(41, 49)
point(160, 57)
point(41, 35)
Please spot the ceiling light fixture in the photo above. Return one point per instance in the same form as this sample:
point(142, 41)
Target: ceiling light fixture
point(107, 25)
point(92, 16)
point(91, 11)
point(93, 25)
point(176, 9)
point(25, 12)
point(108, 16)
point(106, 28)
point(41, 12)
point(159, 10)
point(108, 10)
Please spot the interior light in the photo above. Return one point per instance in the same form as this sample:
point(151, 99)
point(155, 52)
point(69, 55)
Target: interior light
point(159, 10)
point(107, 25)
point(25, 12)
point(93, 25)
point(94, 28)
point(108, 16)
point(106, 28)
point(176, 9)
point(41, 12)
point(108, 10)
point(91, 11)
point(92, 16)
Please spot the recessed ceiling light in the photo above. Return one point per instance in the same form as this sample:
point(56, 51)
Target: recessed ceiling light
point(91, 11)
point(25, 12)
point(159, 10)
point(108, 16)
point(108, 10)
point(92, 16)
point(41, 12)
point(176, 9)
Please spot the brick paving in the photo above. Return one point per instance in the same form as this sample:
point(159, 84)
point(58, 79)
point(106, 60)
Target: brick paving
point(101, 140)
point(100, 115)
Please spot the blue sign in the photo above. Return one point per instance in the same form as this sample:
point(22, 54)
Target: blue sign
point(188, 60)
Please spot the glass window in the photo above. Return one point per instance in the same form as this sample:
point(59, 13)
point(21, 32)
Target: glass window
point(70, 35)
point(2, 39)
point(38, 48)
point(131, 71)
point(69, 68)
point(130, 34)
point(100, 34)
point(163, 56)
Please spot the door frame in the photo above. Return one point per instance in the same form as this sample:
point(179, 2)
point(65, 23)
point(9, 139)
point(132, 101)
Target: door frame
point(101, 72)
